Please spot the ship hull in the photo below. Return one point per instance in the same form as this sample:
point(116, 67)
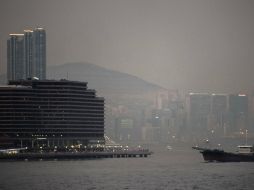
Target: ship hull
point(221, 156)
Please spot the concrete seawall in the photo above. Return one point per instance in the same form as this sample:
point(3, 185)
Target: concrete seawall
point(74, 155)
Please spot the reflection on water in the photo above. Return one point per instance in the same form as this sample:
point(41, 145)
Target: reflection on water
point(179, 168)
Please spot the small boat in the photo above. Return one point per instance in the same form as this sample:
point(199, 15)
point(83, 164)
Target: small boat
point(245, 153)
point(169, 147)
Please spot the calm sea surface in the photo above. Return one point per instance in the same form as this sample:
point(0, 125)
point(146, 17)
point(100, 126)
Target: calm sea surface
point(175, 169)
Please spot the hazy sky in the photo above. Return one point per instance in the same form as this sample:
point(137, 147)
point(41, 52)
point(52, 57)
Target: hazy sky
point(194, 44)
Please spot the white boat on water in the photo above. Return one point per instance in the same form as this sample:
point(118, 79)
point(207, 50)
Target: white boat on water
point(169, 147)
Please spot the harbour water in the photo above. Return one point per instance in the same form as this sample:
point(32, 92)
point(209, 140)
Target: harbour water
point(176, 169)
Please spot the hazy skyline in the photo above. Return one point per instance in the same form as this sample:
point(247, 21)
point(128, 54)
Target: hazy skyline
point(185, 44)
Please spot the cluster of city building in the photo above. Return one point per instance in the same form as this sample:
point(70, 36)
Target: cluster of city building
point(187, 118)
point(38, 113)
point(220, 114)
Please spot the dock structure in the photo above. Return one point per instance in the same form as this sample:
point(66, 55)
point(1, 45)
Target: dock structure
point(74, 155)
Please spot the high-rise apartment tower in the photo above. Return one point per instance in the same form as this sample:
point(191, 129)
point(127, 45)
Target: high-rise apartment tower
point(39, 54)
point(15, 57)
point(26, 55)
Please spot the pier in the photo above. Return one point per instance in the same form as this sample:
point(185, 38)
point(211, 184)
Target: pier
point(74, 155)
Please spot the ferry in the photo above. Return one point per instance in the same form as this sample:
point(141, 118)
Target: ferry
point(245, 153)
point(169, 147)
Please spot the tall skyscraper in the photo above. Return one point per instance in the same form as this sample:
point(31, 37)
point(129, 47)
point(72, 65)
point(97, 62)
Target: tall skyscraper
point(26, 55)
point(39, 54)
point(15, 58)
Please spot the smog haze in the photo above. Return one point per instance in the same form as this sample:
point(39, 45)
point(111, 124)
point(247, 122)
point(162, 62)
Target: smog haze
point(187, 44)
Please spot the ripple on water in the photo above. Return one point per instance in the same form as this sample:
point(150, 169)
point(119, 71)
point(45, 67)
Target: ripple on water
point(164, 170)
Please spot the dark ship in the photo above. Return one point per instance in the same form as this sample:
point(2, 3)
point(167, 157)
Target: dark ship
point(245, 153)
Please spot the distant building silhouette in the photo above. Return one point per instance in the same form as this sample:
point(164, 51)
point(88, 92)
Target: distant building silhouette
point(199, 107)
point(238, 112)
point(26, 55)
point(217, 114)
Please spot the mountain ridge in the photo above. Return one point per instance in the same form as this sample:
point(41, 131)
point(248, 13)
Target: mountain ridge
point(103, 80)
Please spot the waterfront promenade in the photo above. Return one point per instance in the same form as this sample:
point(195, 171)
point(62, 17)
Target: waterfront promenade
point(75, 155)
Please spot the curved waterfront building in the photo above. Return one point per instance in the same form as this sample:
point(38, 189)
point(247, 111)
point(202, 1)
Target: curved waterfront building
point(50, 113)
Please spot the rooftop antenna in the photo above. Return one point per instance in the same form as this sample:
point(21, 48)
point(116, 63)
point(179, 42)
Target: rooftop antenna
point(67, 75)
